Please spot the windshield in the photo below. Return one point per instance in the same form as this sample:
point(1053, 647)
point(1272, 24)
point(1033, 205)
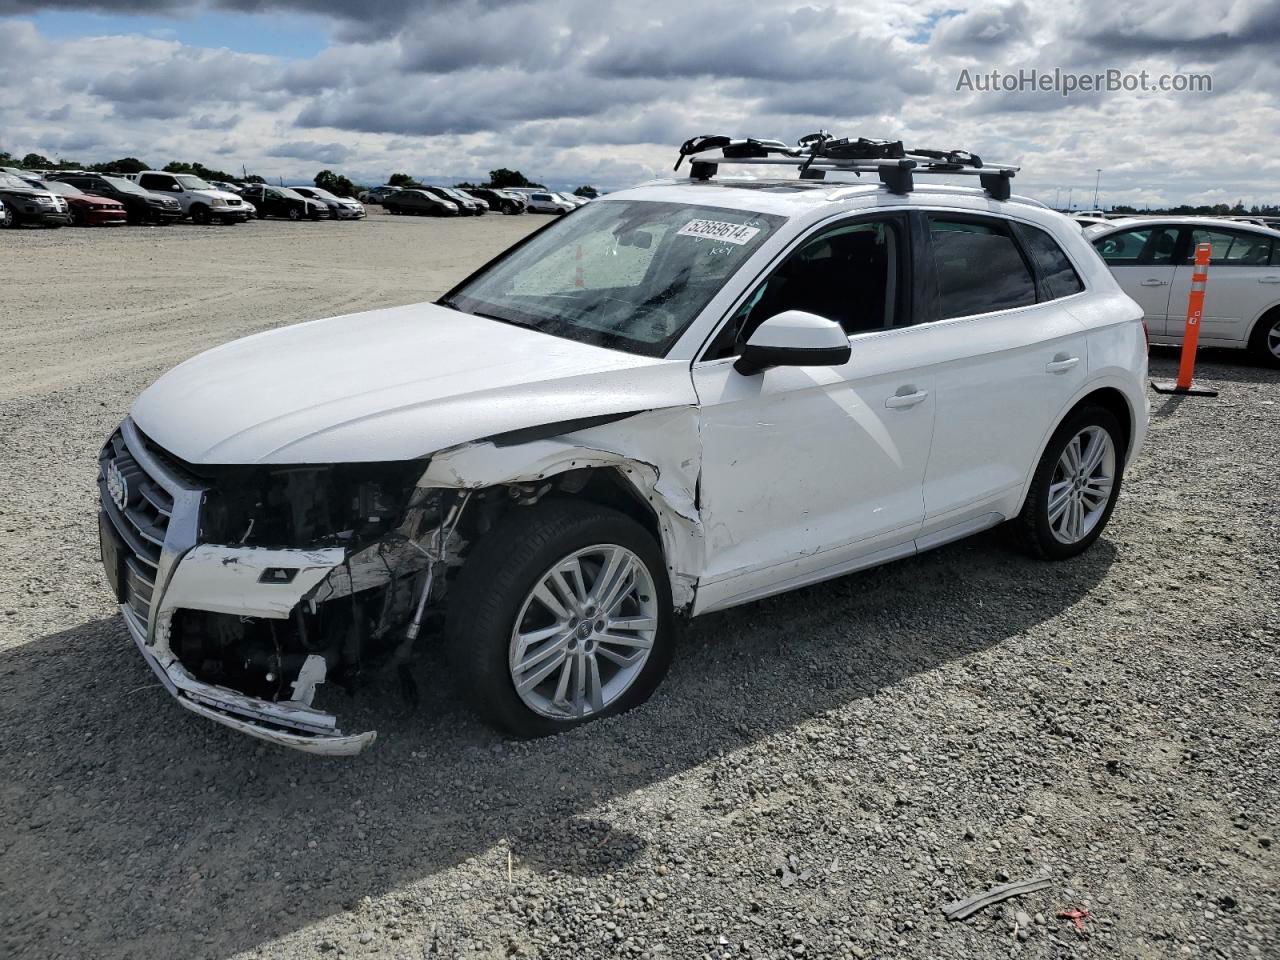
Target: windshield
point(286, 192)
point(192, 183)
point(625, 274)
point(14, 183)
point(126, 186)
point(320, 194)
point(57, 186)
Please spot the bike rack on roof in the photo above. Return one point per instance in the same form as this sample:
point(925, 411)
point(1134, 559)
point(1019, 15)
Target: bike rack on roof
point(817, 153)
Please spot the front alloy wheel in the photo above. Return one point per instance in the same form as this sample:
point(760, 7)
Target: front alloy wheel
point(584, 633)
point(561, 614)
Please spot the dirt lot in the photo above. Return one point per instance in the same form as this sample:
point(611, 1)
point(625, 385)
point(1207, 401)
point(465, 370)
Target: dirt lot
point(819, 774)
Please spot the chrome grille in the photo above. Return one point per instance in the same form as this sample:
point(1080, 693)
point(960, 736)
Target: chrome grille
point(143, 521)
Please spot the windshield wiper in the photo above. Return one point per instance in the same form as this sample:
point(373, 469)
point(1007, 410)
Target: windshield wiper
point(452, 305)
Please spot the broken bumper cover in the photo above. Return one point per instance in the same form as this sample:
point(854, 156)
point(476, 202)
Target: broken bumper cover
point(288, 725)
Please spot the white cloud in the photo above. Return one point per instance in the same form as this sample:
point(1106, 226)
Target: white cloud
point(574, 91)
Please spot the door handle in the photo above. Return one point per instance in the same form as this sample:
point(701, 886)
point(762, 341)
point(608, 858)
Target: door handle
point(1153, 282)
point(1060, 364)
point(900, 401)
point(1271, 279)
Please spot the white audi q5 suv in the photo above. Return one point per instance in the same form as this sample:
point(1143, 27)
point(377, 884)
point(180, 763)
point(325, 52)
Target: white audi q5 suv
point(678, 398)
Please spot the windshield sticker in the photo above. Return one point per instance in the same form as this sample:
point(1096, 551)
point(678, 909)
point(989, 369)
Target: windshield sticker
point(735, 233)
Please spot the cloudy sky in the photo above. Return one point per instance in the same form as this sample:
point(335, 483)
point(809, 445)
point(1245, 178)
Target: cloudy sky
point(596, 91)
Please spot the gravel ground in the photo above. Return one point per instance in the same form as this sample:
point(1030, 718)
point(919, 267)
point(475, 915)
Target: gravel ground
point(820, 772)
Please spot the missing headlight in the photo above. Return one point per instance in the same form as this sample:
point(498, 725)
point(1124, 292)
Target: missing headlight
point(307, 505)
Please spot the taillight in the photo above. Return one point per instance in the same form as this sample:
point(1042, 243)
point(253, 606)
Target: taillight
point(1146, 334)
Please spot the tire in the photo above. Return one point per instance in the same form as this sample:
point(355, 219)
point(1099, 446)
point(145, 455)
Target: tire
point(1061, 538)
point(1264, 343)
point(199, 213)
point(493, 596)
point(295, 213)
point(9, 220)
point(77, 218)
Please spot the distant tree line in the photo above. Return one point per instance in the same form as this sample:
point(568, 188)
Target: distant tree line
point(1205, 210)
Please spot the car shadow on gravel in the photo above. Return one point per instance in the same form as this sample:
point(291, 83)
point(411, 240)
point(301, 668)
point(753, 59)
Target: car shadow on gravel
point(136, 829)
point(1214, 363)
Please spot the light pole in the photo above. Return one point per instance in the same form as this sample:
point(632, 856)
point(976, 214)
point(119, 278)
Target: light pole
point(1070, 191)
point(1097, 180)
point(1057, 199)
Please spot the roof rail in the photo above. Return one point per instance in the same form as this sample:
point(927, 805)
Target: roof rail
point(819, 152)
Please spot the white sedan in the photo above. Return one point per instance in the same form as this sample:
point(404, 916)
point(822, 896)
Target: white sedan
point(549, 203)
point(1152, 260)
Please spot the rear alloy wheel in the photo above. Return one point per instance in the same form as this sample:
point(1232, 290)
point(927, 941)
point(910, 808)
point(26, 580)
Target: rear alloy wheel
point(560, 616)
point(1265, 342)
point(1075, 486)
point(295, 213)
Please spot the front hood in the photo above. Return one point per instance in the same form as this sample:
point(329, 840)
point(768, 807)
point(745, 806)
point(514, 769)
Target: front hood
point(31, 194)
point(392, 384)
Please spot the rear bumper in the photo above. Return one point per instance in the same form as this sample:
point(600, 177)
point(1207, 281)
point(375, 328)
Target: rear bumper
point(296, 727)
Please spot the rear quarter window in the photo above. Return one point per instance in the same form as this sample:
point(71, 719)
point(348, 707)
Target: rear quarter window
point(1057, 275)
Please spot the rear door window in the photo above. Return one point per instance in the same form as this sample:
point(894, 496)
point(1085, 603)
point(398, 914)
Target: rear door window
point(979, 266)
point(1231, 248)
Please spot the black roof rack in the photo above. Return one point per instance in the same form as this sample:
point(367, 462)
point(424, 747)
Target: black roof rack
point(817, 153)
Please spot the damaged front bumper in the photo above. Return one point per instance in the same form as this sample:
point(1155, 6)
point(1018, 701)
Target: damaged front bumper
point(149, 526)
point(287, 725)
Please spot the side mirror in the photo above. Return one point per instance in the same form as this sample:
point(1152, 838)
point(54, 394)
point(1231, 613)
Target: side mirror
point(794, 338)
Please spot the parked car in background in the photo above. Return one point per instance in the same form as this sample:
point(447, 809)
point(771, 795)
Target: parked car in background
point(141, 206)
point(30, 204)
point(573, 199)
point(340, 208)
point(378, 194)
point(227, 186)
point(1152, 259)
point(467, 204)
point(546, 202)
point(422, 203)
point(500, 201)
point(199, 200)
point(86, 209)
point(283, 202)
